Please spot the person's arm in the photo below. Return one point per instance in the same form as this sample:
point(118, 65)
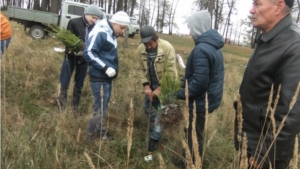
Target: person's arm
point(171, 64)
point(92, 51)
point(288, 76)
point(141, 68)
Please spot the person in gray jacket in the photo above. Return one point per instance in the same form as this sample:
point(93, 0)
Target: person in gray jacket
point(274, 63)
point(204, 74)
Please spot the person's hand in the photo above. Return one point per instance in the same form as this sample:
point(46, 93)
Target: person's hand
point(80, 53)
point(148, 92)
point(110, 72)
point(253, 164)
point(156, 92)
point(179, 95)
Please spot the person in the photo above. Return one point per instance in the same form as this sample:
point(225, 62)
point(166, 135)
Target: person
point(80, 27)
point(274, 62)
point(5, 33)
point(102, 58)
point(204, 75)
point(155, 57)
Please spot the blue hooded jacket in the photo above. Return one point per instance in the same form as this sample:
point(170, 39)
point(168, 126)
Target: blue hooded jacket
point(101, 51)
point(205, 66)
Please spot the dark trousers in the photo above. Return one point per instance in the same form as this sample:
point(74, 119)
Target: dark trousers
point(200, 122)
point(70, 63)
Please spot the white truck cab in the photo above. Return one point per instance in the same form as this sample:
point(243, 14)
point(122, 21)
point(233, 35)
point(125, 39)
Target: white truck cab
point(38, 21)
point(133, 27)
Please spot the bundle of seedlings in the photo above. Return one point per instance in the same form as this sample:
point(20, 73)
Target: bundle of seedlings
point(69, 40)
point(170, 112)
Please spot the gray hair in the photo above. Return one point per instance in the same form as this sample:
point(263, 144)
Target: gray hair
point(286, 9)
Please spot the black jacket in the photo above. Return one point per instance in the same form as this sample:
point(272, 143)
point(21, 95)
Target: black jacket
point(205, 72)
point(78, 27)
point(275, 61)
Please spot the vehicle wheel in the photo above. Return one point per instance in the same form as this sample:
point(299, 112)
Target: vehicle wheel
point(37, 32)
point(131, 35)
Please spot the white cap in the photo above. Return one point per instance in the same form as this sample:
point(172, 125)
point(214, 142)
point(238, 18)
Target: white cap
point(120, 18)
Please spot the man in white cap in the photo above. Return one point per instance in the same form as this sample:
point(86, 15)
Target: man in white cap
point(101, 55)
point(80, 27)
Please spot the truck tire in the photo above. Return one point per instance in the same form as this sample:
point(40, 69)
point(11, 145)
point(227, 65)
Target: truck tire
point(131, 35)
point(37, 32)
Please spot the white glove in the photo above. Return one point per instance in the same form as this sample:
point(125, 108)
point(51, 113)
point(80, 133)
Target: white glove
point(110, 72)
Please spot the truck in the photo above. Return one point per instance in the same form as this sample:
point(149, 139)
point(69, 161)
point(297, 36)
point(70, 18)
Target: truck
point(133, 27)
point(38, 21)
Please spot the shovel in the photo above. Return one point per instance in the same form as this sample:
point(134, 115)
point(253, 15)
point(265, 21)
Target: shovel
point(148, 127)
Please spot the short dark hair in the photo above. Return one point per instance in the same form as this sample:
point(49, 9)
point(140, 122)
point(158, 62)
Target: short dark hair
point(155, 37)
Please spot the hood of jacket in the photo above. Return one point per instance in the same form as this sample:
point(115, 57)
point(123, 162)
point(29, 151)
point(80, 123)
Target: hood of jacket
point(211, 37)
point(198, 23)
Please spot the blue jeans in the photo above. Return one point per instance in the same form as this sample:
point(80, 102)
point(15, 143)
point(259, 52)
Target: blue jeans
point(68, 66)
point(154, 116)
point(5, 42)
point(100, 106)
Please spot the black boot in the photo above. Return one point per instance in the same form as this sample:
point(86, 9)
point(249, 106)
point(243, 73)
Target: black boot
point(153, 144)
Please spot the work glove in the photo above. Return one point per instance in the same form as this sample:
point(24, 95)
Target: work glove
point(180, 95)
point(110, 72)
point(80, 53)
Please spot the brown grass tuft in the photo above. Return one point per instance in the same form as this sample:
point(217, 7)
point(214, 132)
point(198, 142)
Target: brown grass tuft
point(89, 160)
point(294, 160)
point(195, 144)
point(162, 164)
point(188, 156)
point(244, 158)
point(129, 132)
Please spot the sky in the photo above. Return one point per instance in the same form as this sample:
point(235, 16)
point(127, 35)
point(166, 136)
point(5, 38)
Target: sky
point(185, 8)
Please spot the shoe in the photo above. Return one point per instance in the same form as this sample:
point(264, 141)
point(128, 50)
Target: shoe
point(91, 136)
point(180, 163)
point(107, 136)
point(153, 144)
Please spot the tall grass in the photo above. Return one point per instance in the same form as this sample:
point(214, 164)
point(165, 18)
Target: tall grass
point(35, 134)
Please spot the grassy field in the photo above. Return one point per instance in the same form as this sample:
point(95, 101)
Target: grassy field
point(35, 135)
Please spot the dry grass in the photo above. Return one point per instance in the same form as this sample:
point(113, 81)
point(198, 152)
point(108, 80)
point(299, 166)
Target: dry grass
point(36, 135)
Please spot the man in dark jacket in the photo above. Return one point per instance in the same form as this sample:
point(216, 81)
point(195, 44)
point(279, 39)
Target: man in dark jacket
point(274, 63)
point(102, 57)
point(80, 27)
point(204, 72)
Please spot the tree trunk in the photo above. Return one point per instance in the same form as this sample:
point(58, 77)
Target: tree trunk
point(211, 8)
point(36, 5)
point(125, 6)
point(119, 5)
point(132, 7)
point(163, 17)
point(109, 6)
point(29, 4)
point(55, 6)
point(298, 15)
point(217, 16)
point(45, 5)
point(114, 6)
point(125, 43)
point(172, 18)
point(157, 19)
